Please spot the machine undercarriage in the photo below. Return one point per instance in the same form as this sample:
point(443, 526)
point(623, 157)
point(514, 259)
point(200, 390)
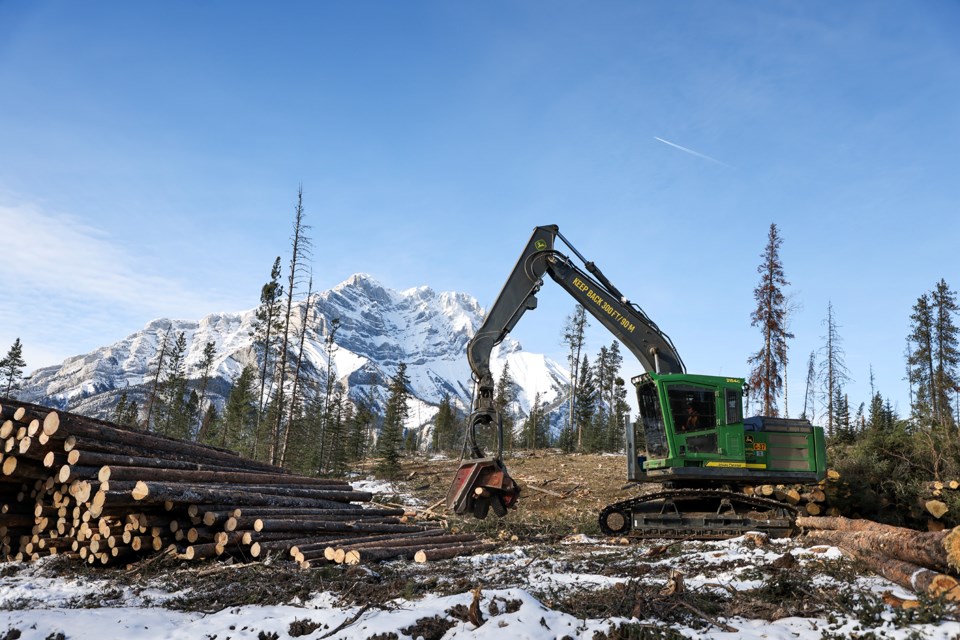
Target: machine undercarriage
point(697, 514)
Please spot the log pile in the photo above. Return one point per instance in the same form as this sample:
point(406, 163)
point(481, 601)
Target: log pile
point(921, 561)
point(107, 494)
point(810, 500)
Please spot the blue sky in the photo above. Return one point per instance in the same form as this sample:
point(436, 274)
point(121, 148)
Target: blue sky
point(150, 155)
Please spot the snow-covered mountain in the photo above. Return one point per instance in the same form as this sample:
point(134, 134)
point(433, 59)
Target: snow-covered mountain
point(378, 329)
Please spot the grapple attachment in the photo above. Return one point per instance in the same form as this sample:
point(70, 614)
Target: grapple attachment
point(480, 485)
point(482, 482)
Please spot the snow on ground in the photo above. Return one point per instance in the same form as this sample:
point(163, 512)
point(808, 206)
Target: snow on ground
point(520, 589)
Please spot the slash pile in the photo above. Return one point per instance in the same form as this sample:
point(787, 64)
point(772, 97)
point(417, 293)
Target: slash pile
point(108, 494)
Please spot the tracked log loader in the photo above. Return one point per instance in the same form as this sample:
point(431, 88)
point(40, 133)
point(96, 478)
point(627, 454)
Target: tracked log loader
point(698, 446)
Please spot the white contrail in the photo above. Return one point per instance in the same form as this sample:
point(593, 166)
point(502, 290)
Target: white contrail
point(690, 151)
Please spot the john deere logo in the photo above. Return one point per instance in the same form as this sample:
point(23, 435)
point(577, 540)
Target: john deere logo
point(540, 245)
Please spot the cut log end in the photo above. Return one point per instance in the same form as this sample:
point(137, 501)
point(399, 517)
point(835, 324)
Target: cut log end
point(140, 491)
point(51, 423)
point(936, 508)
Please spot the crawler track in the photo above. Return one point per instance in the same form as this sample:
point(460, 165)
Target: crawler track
point(702, 514)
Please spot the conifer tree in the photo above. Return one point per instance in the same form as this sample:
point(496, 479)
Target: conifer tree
point(337, 454)
point(610, 373)
point(296, 395)
point(175, 410)
point(391, 435)
point(266, 328)
point(610, 400)
point(236, 430)
point(616, 438)
point(149, 423)
point(445, 426)
point(120, 409)
point(842, 430)
point(299, 254)
point(503, 400)
point(11, 369)
point(360, 424)
point(768, 364)
point(587, 396)
point(946, 350)
point(921, 359)
point(206, 365)
point(809, 394)
point(573, 337)
point(877, 417)
point(601, 413)
point(531, 425)
point(833, 369)
point(328, 382)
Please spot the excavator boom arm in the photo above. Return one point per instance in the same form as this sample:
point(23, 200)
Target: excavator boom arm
point(626, 321)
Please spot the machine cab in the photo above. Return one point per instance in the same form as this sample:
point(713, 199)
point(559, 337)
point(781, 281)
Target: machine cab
point(691, 427)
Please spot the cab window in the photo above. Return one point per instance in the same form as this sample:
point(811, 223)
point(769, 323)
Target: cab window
point(652, 421)
point(693, 408)
point(734, 406)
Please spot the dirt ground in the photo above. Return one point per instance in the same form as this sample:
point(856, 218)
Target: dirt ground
point(561, 494)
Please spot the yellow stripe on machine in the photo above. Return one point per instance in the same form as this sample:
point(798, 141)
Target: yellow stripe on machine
point(735, 465)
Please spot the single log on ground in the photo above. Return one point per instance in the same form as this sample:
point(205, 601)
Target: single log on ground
point(845, 524)
point(335, 543)
point(939, 551)
point(910, 576)
point(339, 553)
point(426, 555)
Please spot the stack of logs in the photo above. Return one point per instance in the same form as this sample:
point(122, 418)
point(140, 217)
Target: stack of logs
point(809, 500)
point(920, 561)
point(107, 494)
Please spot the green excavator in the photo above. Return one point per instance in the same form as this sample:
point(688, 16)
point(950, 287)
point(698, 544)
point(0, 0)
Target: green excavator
point(698, 446)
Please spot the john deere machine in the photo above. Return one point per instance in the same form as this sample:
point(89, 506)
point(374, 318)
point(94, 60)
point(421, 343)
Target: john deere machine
point(698, 446)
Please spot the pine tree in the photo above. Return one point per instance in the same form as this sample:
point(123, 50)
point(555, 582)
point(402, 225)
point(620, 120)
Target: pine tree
point(445, 425)
point(391, 435)
point(206, 365)
point(946, 353)
point(841, 416)
point(921, 359)
point(337, 453)
point(120, 409)
point(359, 425)
point(11, 369)
point(533, 432)
point(809, 394)
point(587, 396)
point(769, 363)
point(833, 370)
point(608, 387)
point(296, 395)
point(876, 415)
point(504, 397)
point(616, 438)
point(328, 382)
point(601, 413)
point(154, 392)
point(573, 337)
point(175, 411)
point(265, 330)
point(299, 254)
point(236, 429)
